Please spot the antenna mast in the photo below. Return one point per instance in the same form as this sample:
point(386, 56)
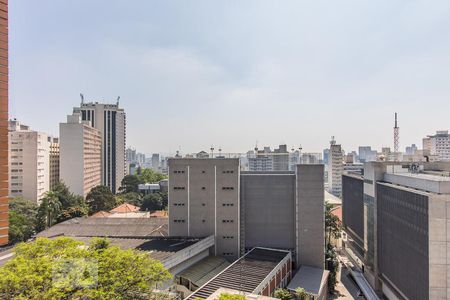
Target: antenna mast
point(396, 137)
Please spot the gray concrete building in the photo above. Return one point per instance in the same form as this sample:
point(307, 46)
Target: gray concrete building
point(396, 218)
point(243, 210)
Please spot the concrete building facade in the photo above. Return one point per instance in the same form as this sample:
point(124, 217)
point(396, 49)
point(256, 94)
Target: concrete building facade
point(438, 144)
point(29, 162)
point(4, 177)
point(54, 161)
point(80, 155)
point(396, 219)
point(110, 120)
point(243, 210)
point(335, 169)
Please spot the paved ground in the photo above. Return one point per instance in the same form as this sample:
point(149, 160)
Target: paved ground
point(345, 288)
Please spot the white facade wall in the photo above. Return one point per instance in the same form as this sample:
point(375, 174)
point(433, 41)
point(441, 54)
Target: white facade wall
point(335, 170)
point(29, 164)
point(80, 155)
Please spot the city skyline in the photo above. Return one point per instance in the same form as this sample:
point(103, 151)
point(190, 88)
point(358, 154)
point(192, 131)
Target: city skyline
point(218, 73)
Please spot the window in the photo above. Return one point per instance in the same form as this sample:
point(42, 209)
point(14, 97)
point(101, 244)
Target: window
point(178, 172)
point(227, 221)
point(203, 204)
point(228, 172)
point(228, 188)
point(178, 221)
point(228, 237)
point(178, 204)
point(178, 188)
point(203, 221)
point(227, 204)
point(203, 172)
point(227, 254)
point(203, 188)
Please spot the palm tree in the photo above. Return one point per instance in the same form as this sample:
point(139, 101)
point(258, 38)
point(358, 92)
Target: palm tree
point(50, 208)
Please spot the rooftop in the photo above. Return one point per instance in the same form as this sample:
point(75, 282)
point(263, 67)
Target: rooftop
point(109, 227)
point(124, 208)
point(245, 274)
point(313, 280)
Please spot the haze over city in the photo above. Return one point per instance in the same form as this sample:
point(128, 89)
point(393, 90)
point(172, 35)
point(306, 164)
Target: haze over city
point(233, 73)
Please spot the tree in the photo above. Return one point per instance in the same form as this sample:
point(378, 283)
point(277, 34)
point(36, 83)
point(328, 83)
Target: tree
point(64, 268)
point(71, 205)
point(100, 198)
point(131, 198)
point(152, 202)
point(282, 294)
point(332, 229)
point(48, 211)
point(130, 184)
point(150, 176)
point(332, 224)
point(301, 294)
point(226, 296)
point(22, 219)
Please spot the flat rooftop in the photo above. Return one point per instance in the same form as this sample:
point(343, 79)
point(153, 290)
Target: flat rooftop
point(313, 280)
point(421, 181)
point(109, 227)
point(245, 274)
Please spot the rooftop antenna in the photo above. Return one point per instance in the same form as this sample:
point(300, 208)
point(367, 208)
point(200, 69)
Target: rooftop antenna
point(256, 146)
point(212, 151)
point(333, 141)
point(396, 137)
point(82, 98)
point(118, 98)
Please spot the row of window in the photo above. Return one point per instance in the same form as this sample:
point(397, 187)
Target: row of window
point(203, 172)
point(178, 172)
point(228, 237)
point(227, 221)
point(204, 204)
point(227, 188)
point(178, 221)
point(227, 253)
point(228, 172)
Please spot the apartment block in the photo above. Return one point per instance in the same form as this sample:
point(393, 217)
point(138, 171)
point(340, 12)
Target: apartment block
point(29, 162)
point(54, 161)
point(438, 144)
point(4, 177)
point(243, 210)
point(80, 155)
point(335, 169)
point(396, 219)
point(110, 120)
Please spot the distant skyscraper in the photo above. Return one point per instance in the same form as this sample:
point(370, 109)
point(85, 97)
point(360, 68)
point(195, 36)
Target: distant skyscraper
point(281, 159)
point(4, 123)
point(411, 150)
point(155, 161)
point(111, 121)
point(29, 159)
point(54, 161)
point(80, 155)
point(335, 169)
point(326, 155)
point(438, 144)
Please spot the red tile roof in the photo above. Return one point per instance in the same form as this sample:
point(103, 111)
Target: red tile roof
point(337, 211)
point(124, 208)
point(101, 214)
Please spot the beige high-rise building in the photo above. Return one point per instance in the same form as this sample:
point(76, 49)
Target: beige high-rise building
point(80, 155)
point(335, 169)
point(54, 161)
point(28, 162)
point(110, 119)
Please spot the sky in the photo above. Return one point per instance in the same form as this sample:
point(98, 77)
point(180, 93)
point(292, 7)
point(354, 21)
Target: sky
point(192, 74)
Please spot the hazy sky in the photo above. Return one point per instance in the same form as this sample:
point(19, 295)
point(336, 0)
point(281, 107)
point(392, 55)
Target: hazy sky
point(230, 73)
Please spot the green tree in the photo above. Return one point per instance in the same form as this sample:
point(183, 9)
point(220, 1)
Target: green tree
point(150, 176)
point(63, 268)
point(130, 184)
point(332, 224)
point(226, 296)
point(152, 202)
point(22, 219)
point(100, 198)
point(131, 198)
point(282, 294)
point(71, 205)
point(48, 211)
point(301, 294)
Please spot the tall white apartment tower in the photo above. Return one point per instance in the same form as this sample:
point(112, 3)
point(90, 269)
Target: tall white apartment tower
point(438, 144)
point(29, 156)
point(111, 121)
point(335, 168)
point(80, 155)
